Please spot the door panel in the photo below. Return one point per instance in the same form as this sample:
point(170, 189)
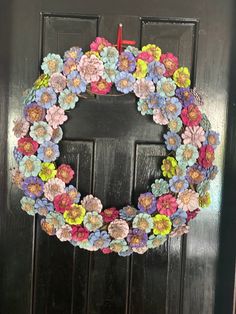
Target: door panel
point(116, 153)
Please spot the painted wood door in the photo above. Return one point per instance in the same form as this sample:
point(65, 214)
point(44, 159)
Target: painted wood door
point(116, 154)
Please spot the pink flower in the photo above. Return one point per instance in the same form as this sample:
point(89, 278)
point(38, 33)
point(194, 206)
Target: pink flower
point(191, 115)
point(64, 233)
point(167, 205)
point(194, 135)
point(106, 250)
point(90, 68)
point(145, 56)
point(91, 203)
point(65, 173)
point(102, 87)
point(53, 187)
point(79, 233)
point(58, 82)
point(143, 87)
point(56, 116)
point(179, 231)
point(17, 177)
point(62, 202)
point(188, 200)
point(170, 62)
point(159, 118)
point(110, 214)
point(99, 43)
point(21, 127)
point(118, 229)
point(206, 156)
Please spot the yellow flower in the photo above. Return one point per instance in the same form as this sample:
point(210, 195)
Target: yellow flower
point(154, 50)
point(75, 215)
point(161, 224)
point(182, 77)
point(92, 52)
point(42, 81)
point(205, 200)
point(141, 69)
point(168, 167)
point(47, 171)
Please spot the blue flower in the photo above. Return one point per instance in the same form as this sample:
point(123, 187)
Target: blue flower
point(127, 62)
point(212, 138)
point(178, 184)
point(48, 152)
point(156, 71)
point(110, 72)
point(43, 206)
point(75, 83)
point(172, 140)
point(73, 193)
point(128, 213)
point(74, 53)
point(109, 55)
point(160, 187)
point(179, 218)
point(52, 63)
point(155, 101)
point(124, 82)
point(143, 107)
point(133, 50)
point(17, 155)
point(46, 97)
point(172, 108)
point(67, 99)
point(99, 239)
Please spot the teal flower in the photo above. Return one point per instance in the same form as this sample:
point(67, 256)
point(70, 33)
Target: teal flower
point(166, 87)
point(143, 107)
point(160, 187)
point(205, 123)
point(30, 166)
point(110, 72)
point(55, 219)
point(187, 154)
point(109, 55)
point(93, 221)
point(175, 125)
point(118, 246)
point(27, 205)
point(28, 96)
point(133, 50)
point(203, 187)
point(67, 99)
point(40, 132)
point(52, 63)
point(143, 222)
point(155, 241)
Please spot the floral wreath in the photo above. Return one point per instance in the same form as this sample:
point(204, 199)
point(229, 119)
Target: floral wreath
point(163, 92)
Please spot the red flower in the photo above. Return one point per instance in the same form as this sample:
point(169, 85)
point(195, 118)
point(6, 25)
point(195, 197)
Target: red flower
point(65, 173)
point(193, 214)
point(167, 205)
point(79, 233)
point(27, 146)
point(62, 202)
point(106, 250)
point(110, 214)
point(191, 115)
point(170, 62)
point(206, 156)
point(102, 87)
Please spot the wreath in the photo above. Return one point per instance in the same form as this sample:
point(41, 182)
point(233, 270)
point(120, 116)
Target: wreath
point(164, 93)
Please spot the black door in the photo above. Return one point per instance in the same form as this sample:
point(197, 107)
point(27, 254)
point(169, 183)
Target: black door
point(119, 154)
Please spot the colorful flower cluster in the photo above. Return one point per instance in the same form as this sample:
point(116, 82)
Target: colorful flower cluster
point(163, 89)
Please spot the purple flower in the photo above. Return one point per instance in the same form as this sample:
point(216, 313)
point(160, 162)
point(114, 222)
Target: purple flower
point(195, 174)
point(179, 218)
point(155, 101)
point(124, 82)
point(34, 112)
point(46, 97)
point(172, 108)
point(48, 152)
point(156, 71)
point(17, 155)
point(126, 62)
point(137, 238)
point(147, 203)
point(75, 83)
point(178, 184)
point(185, 96)
point(33, 187)
point(172, 140)
point(43, 206)
point(99, 239)
point(74, 53)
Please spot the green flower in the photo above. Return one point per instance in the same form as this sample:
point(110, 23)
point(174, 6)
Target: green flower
point(42, 81)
